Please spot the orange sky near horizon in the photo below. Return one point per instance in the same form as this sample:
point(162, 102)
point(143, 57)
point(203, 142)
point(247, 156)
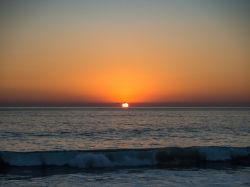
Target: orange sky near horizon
point(115, 52)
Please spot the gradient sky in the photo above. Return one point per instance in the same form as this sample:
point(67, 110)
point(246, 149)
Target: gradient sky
point(138, 51)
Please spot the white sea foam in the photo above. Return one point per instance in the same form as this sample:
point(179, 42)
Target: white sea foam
point(125, 158)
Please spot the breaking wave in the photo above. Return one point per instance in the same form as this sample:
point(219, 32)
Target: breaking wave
point(157, 157)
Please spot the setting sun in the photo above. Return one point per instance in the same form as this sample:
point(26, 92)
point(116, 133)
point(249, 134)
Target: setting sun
point(125, 105)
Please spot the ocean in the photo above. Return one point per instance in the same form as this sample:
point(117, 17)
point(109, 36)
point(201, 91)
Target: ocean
point(87, 146)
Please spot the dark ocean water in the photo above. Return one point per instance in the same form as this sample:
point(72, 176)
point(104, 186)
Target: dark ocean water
point(125, 147)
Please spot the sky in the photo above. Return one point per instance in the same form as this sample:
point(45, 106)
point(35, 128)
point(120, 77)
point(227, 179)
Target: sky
point(137, 51)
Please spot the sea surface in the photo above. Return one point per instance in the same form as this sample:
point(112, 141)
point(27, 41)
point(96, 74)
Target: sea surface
point(77, 146)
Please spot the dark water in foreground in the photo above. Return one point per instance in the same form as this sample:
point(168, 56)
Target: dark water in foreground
point(199, 146)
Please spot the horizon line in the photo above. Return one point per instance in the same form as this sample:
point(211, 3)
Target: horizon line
point(132, 104)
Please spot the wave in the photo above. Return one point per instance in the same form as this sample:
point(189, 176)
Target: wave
point(112, 158)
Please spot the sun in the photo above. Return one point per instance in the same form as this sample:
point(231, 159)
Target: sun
point(125, 105)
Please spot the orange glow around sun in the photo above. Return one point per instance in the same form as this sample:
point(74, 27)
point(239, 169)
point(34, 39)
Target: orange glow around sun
point(114, 85)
